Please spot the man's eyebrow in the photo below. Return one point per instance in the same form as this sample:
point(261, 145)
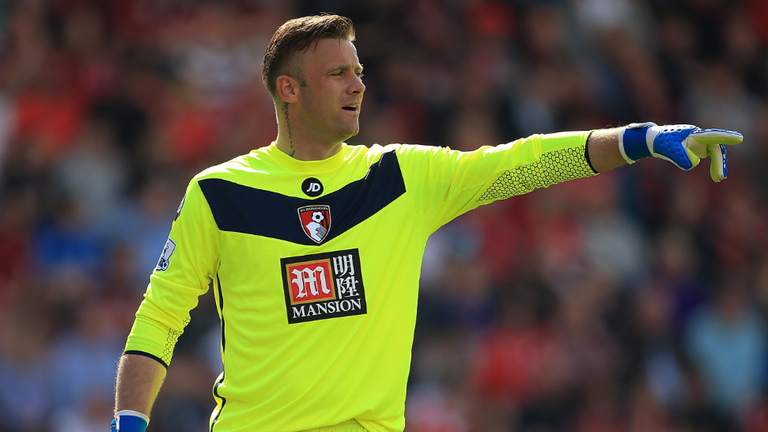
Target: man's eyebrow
point(358, 68)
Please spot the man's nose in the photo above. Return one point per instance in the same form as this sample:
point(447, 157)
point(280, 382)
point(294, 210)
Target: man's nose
point(357, 85)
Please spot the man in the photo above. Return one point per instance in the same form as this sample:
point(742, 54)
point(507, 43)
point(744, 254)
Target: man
point(313, 247)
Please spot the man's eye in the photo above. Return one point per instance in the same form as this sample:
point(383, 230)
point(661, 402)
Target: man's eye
point(359, 74)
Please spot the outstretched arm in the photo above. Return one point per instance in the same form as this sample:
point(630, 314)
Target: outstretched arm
point(139, 379)
point(603, 149)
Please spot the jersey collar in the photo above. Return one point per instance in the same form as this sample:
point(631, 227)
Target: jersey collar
point(292, 164)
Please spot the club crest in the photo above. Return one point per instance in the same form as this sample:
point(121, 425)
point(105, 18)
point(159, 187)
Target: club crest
point(316, 221)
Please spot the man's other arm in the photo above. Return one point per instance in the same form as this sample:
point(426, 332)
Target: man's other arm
point(139, 379)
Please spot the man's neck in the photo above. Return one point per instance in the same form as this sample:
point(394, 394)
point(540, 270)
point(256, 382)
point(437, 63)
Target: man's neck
point(300, 143)
point(304, 150)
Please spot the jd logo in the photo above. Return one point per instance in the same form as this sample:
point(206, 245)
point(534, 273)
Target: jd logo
point(312, 187)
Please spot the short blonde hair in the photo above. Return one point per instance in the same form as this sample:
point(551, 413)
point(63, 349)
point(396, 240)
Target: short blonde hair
point(296, 36)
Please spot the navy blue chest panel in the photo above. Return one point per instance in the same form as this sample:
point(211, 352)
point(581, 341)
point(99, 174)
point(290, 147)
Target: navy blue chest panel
point(247, 210)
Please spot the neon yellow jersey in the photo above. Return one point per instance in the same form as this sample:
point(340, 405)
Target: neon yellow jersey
point(315, 267)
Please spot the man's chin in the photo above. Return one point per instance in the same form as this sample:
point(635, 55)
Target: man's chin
point(344, 131)
point(350, 133)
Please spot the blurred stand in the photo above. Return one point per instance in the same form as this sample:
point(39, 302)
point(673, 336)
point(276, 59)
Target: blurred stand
point(632, 302)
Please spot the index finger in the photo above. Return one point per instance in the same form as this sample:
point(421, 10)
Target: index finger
point(717, 136)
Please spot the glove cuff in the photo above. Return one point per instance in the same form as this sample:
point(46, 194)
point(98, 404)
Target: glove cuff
point(130, 421)
point(634, 143)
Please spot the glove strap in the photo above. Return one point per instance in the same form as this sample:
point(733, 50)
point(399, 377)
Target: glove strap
point(130, 421)
point(633, 142)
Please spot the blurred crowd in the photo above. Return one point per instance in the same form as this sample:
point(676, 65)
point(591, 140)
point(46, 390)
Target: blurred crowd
point(635, 301)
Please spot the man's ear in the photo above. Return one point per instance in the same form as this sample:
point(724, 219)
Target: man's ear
point(288, 88)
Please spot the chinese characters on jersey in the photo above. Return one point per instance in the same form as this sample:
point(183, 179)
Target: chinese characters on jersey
point(323, 286)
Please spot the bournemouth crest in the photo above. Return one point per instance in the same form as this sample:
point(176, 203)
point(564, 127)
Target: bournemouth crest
point(316, 221)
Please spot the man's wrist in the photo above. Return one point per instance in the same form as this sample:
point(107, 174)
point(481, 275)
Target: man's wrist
point(634, 141)
point(129, 421)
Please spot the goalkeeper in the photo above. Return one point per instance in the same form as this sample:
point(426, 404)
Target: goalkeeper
point(313, 247)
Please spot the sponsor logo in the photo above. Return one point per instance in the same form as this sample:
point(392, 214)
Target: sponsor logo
point(165, 257)
point(312, 187)
point(316, 221)
point(323, 286)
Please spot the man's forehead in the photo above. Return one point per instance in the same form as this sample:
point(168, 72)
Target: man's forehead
point(330, 52)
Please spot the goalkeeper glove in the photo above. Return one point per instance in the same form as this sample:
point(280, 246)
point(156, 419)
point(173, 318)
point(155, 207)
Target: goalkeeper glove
point(129, 421)
point(683, 145)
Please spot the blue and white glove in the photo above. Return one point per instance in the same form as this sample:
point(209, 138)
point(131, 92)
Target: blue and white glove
point(683, 145)
point(129, 421)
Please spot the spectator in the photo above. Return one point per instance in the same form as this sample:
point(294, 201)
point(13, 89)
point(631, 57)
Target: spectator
point(727, 343)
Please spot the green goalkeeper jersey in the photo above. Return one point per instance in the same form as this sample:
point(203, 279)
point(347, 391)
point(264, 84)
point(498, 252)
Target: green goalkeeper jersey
point(315, 270)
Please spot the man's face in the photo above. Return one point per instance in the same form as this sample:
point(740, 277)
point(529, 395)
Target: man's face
point(330, 103)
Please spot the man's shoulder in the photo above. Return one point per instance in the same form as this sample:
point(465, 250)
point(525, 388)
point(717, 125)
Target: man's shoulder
point(243, 165)
point(376, 150)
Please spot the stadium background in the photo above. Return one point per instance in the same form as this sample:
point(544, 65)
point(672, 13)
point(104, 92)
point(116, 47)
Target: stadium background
point(632, 302)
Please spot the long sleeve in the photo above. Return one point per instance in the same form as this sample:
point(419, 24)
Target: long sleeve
point(446, 183)
point(187, 264)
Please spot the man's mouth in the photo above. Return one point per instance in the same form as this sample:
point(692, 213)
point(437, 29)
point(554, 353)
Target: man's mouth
point(354, 107)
